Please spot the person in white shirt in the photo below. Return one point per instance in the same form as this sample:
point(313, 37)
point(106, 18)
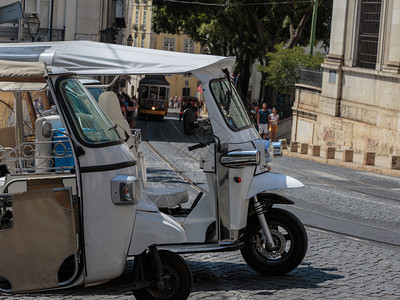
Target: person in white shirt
point(273, 120)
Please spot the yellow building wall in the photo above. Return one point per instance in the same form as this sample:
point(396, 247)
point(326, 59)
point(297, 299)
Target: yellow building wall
point(178, 82)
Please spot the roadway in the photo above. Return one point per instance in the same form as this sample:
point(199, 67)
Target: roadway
point(352, 219)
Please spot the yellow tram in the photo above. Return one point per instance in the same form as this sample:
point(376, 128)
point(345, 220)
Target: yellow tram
point(154, 93)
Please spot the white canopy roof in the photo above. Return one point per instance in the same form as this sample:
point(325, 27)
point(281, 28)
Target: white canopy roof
point(93, 58)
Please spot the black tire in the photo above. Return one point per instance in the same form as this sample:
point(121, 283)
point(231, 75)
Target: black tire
point(290, 239)
point(178, 279)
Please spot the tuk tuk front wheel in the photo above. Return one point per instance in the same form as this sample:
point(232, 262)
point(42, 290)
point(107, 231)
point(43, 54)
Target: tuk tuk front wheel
point(290, 239)
point(176, 276)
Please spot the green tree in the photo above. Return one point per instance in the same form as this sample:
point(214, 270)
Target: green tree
point(284, 67)
point(247, 29)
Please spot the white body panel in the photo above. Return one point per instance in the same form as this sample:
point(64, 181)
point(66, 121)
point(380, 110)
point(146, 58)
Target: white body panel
point(154, 228)
point(239, 202)
point(271, 181)
point(197, 222)
point(107, 227)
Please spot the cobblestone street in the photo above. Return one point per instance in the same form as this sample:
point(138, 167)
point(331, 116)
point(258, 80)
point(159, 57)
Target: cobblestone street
point(334, 268)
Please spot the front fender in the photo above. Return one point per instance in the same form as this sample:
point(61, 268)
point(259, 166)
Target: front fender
point(154, 228)
point(271, 181)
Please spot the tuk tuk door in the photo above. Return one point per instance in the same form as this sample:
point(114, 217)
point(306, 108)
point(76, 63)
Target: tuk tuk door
point(104, 165)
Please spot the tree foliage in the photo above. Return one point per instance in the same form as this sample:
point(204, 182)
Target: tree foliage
point(284, 66)
point(247, 29)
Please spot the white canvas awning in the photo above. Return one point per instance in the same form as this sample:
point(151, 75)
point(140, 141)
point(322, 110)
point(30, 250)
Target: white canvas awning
point(15, 75)
point(94, 58)
point(22, 71)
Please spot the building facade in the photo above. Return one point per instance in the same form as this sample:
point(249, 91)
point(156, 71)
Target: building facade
point(141, 23)
point(94, 20)
point(358, 105)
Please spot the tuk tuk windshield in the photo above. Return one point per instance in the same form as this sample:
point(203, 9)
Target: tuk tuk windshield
point(92, 125)
point(230, 104)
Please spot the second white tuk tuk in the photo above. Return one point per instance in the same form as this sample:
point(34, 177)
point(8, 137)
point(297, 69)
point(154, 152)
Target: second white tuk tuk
point(234, 214)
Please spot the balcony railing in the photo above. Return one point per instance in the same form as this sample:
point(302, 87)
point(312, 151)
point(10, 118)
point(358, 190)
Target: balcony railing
point(56, 35)
point(10, 34)
point(311, 77)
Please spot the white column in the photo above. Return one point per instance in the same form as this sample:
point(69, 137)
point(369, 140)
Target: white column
point(393, 58)
point(71, 7)
point(332, 77)
point(338, 28)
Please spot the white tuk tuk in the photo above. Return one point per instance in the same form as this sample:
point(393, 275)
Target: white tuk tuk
point(72, 208)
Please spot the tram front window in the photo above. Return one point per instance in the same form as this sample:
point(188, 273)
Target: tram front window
point(153, 92)
point(163, 93)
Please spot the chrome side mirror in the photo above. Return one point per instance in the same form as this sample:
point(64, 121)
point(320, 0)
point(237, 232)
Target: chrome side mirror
point(137, 136)
point(277, 149)
point(240, 159)
point(273, 149)
point(47, 129)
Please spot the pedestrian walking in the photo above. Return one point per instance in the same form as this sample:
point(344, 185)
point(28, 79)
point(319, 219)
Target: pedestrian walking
point(176, 103)
point(130, 111)
point(273, 120)
point(262, 121)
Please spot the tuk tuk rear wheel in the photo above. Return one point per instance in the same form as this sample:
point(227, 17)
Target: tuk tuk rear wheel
point(290, 240)
point(177, 279)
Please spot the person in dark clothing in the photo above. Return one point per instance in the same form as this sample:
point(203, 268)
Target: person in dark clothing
point(186, 104)
point(130, 111)
point(262, 121)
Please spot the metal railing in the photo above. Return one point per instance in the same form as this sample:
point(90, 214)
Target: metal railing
point(45, 33)
point(38, 157)
point(311, 77)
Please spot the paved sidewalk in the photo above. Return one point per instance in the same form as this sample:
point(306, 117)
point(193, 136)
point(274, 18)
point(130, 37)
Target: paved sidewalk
point(382, 163)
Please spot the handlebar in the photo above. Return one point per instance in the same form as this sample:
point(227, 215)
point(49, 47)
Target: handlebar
point(197, 146)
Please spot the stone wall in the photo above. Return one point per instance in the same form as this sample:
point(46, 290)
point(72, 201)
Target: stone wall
point(362, 127)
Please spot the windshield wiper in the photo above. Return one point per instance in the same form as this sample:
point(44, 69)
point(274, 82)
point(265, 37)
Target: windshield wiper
point(113, 127)
point(127, 136)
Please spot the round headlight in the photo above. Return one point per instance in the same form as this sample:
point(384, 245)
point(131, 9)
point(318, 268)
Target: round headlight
point(127, 192)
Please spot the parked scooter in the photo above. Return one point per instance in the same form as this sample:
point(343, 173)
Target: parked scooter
point(71, 209)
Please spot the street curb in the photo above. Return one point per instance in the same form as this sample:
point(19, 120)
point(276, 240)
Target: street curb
point(350, 165)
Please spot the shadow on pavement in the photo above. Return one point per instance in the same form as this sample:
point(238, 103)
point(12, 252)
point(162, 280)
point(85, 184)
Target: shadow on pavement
point(209, 277)
point(225, 276)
